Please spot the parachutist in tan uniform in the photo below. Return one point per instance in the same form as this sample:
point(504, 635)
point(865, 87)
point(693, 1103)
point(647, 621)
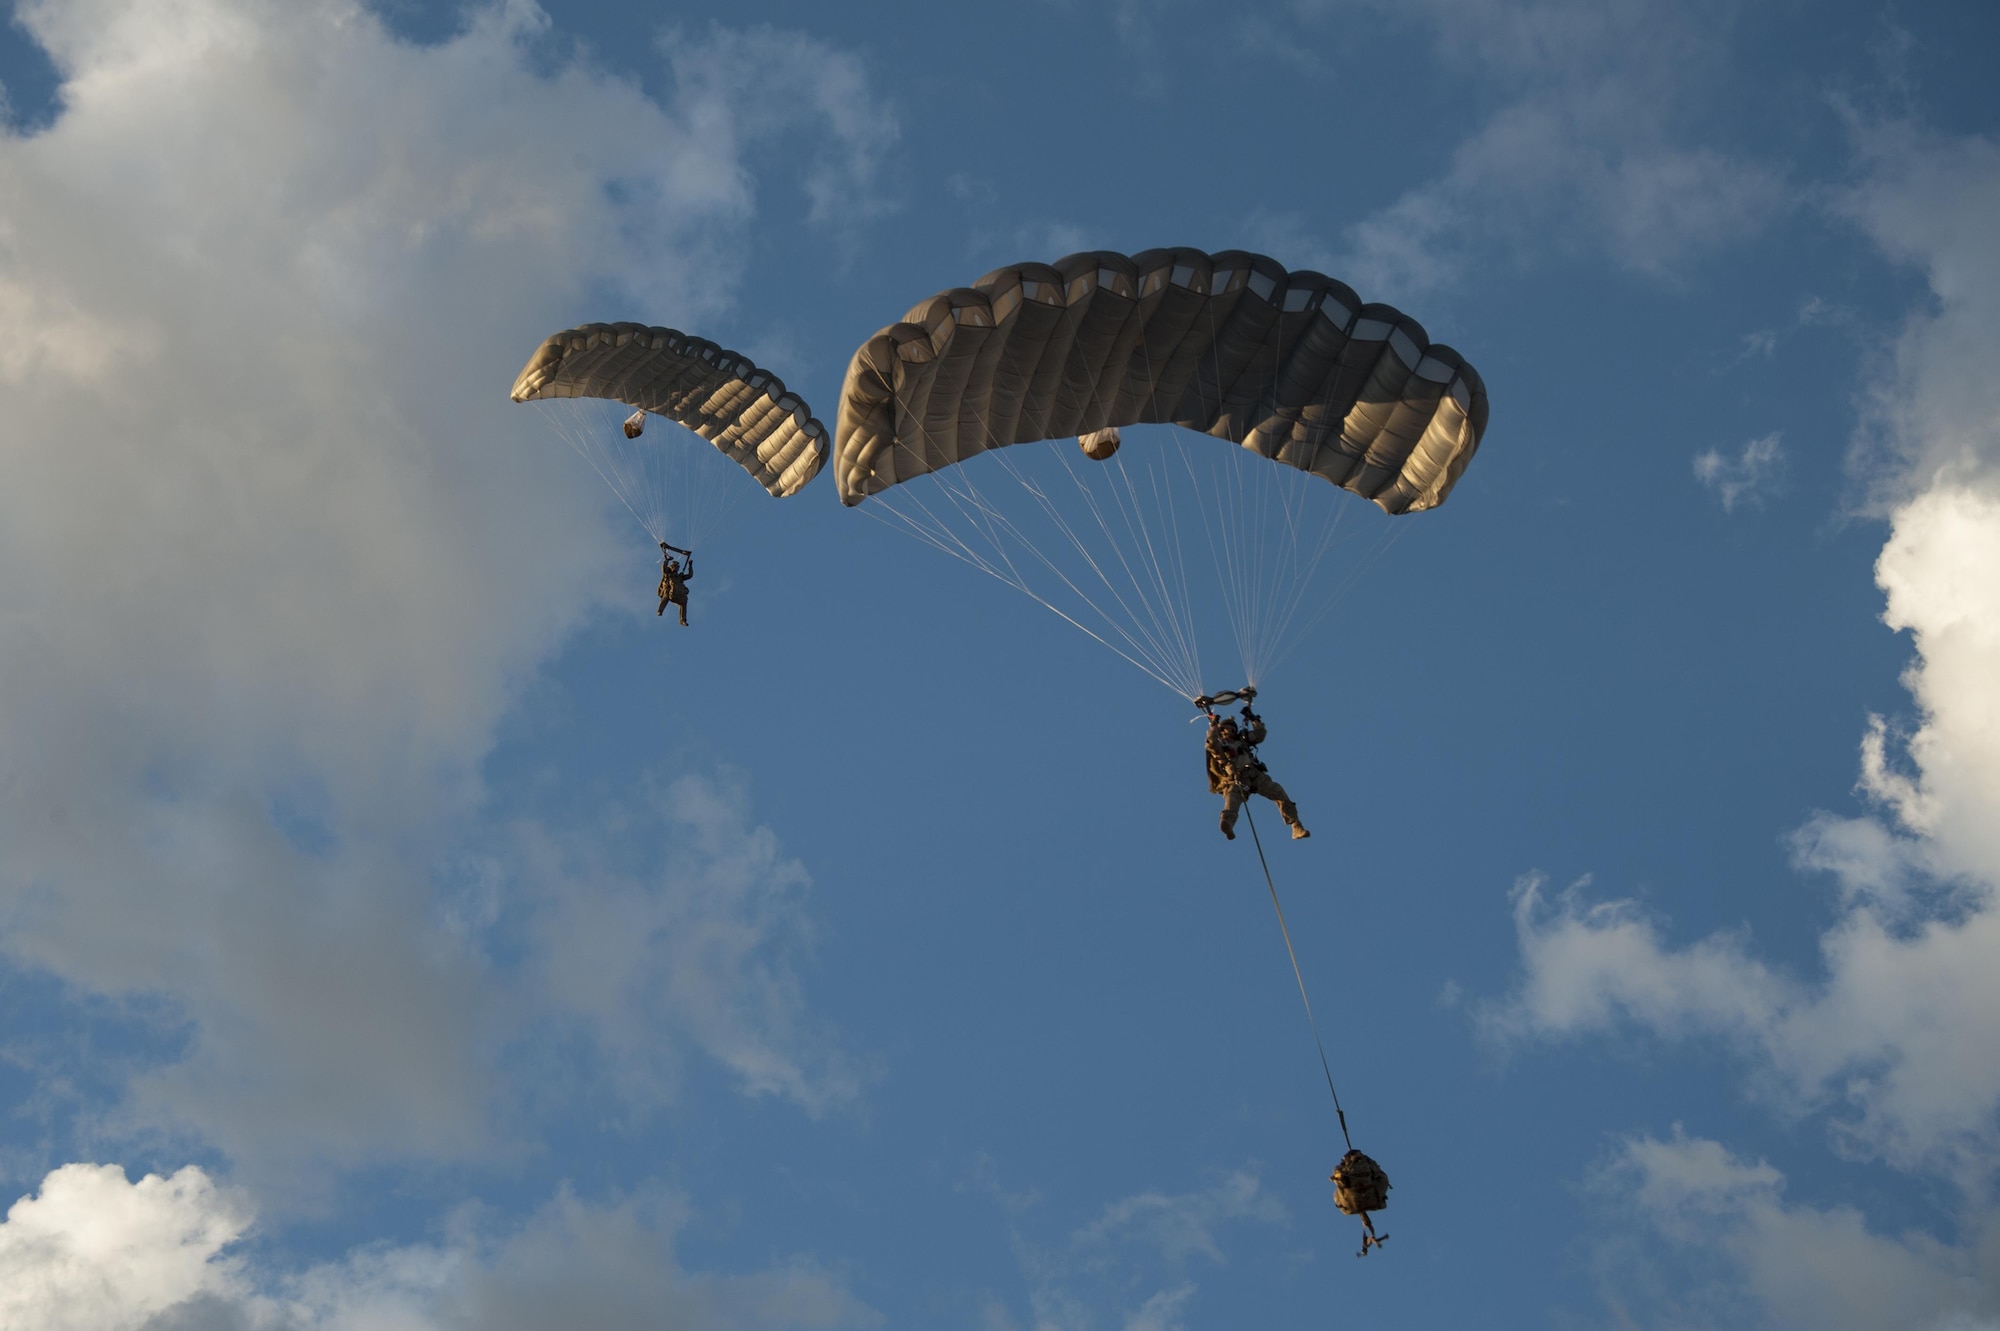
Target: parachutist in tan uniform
point(1235, 773)
point(674, 580)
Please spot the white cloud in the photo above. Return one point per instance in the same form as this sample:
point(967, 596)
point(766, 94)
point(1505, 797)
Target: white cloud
point(1596, 147)
point(1898, 1036)
point(93, 1252)
point(1139, 1243)
point(1901, 1037)
point(572, 1265)
point(1746, 478)
point(725, 80)
point(279, 551)
point(1933, 414)
point(96, 1253)
point(1903, 1028)
point(695, 944)
point(1941, 571)
point(1798, 1265)
point(1587, 966)
point(1181, 1225)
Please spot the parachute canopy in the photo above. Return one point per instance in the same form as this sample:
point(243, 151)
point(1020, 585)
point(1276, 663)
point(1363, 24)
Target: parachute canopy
point(1292, 366)
point(721, 396)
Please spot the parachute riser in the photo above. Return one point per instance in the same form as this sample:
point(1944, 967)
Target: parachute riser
point(1208, 702)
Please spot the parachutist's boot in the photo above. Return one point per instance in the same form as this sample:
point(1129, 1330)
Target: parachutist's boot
point(1299, 832)
point(1227, 830)
point(1290, 813)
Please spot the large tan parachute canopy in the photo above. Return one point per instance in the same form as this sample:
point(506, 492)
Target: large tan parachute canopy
point(744, 411)
point(1290, 365)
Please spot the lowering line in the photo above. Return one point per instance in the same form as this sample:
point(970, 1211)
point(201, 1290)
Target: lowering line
point(1313, 1021)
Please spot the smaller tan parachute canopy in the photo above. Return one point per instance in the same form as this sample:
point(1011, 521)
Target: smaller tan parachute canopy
point(721, 396)
point(1291, 365)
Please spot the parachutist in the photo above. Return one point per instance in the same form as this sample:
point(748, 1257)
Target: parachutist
point(1236, 773)
point(674, 580)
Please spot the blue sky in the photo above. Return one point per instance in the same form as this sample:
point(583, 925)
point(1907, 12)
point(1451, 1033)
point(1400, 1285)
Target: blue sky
point(401, 927)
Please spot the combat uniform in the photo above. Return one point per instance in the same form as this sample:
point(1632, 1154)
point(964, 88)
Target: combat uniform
point(673, 585)
point(1235, 774)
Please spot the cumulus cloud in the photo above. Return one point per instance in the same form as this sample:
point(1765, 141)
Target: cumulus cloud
point(1941, 571)
point(1795, 1264)
point(96, 1252)
point(1745, 479)
point(280, 553)
point(1903, 1029)
point(1897, 1038)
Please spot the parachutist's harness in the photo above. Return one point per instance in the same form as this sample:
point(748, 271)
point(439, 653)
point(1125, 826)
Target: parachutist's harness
point(1223, 753)
point(1359, 1184)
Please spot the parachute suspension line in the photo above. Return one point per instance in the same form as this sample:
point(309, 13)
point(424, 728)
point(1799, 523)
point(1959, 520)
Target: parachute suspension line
point(1171, 616)
point(1355, 572)
point(1277, 632)
point(1159, 644)
point(1291, 952)
point(1238, 532)
point(1233, 560)
point(580, 441)
point(1153, 629)
point(1281, 488)
point(1154, 657)
point(1159, 472)
point(676, 485)
point(1001, 565)
point(982, 517)
point(1161, 641)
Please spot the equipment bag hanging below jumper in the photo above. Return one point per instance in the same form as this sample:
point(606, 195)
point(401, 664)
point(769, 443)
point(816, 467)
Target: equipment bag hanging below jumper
point(1360, 1186)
